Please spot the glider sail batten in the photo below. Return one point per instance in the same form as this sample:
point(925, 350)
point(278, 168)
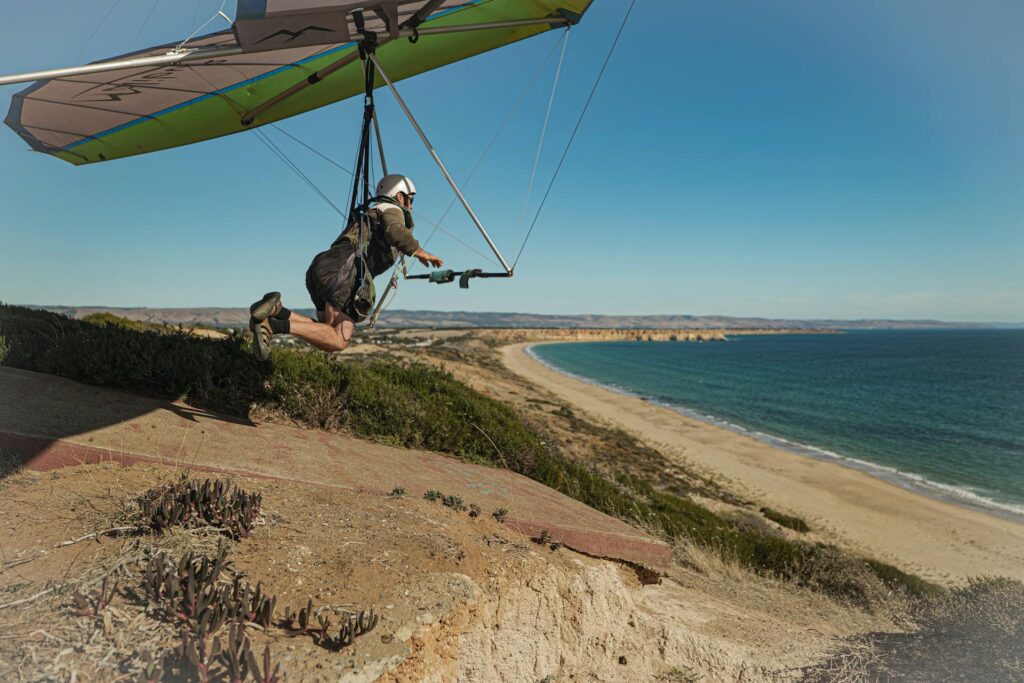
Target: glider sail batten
point(107, 116)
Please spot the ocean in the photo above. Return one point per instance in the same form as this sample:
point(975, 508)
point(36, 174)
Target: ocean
point(938, 411)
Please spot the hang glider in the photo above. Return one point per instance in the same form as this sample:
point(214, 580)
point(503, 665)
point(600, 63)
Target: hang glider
point(280, 58)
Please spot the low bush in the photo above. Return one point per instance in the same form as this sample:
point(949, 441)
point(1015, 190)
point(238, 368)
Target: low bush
point(137, 325)
point(411, 405)
point(789, 521)
point(210, 373)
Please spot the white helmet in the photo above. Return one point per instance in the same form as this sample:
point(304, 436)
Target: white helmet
point(390, 185)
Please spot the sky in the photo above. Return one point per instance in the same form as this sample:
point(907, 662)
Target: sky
point(793, 159)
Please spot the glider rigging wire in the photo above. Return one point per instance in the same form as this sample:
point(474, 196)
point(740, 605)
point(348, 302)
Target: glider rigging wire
point(218, 13)
point(265, 139)
point(575, 130)
point(497, 134)
point(97, 29)
point(543, 132)
point(291, 165)
point(145, 23)
point(437, 226)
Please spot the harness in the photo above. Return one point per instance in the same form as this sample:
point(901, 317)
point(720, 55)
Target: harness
point(363, 296)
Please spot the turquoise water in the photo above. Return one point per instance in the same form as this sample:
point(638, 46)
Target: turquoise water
point(939, 411)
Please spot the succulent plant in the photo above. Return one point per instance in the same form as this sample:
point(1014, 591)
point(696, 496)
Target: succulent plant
point(236, 653)
point(354, 626)
point(198, 656)
point(297, 624)
point(215, 502)
point(191, 591)
point(152, 670)
point(265, 674)
point(93, 603)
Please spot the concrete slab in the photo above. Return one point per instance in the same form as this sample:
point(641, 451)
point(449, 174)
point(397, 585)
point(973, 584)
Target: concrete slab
point(53, 422)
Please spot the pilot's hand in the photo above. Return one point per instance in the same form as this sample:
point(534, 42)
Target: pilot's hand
point(428, 259)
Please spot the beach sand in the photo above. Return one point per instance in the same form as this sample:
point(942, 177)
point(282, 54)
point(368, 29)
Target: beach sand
point(935, 539)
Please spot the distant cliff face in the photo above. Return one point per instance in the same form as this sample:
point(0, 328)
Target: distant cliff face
point(606, 334)
point(671, 324)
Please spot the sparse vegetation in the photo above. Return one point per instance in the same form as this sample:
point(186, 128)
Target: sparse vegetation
point(10, 465)
point(355, 625)
point(500, 514)
point(545, 538)
point(453, 502)
point(416, 406)
point(398, 492)
point(93, 603)
point(214, 502)
point(136, 325)
point(789, 521)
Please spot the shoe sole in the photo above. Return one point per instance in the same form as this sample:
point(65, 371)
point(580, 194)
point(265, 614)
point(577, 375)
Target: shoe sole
point(260, 349)
point(266, 307)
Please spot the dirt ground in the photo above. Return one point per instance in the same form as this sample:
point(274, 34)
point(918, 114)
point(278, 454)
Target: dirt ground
point(459, 598)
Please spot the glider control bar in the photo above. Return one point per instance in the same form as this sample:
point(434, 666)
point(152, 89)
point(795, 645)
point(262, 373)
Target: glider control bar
point(441, 277)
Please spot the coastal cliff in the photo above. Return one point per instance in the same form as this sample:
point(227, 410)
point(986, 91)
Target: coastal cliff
point(627, 334)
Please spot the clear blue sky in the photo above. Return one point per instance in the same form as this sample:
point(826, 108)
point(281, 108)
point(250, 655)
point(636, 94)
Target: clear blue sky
point(787, 159)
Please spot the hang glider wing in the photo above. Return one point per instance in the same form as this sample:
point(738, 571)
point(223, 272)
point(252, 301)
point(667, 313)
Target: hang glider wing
point(281, 58)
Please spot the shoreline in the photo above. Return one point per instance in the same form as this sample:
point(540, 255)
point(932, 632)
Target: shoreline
point(909, 481)
point(941, 540)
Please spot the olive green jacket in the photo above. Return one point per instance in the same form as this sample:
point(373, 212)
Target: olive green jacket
point(390, 233)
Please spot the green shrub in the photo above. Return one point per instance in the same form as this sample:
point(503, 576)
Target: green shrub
point(896, 578)
point(211, 373)
point(3, 348)
point(137, 325)
point(788, 521)
point(412, 405)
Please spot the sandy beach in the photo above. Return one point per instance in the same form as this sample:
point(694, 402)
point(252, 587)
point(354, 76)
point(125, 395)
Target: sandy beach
point(935, 539)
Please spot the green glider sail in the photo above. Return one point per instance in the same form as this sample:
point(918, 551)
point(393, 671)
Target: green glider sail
point(280, 58)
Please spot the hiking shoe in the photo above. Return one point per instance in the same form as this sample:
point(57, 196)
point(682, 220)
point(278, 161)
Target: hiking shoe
point(267, 307)
point(261, 336)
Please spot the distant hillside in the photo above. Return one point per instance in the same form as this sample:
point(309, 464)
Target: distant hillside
point(239, 317)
